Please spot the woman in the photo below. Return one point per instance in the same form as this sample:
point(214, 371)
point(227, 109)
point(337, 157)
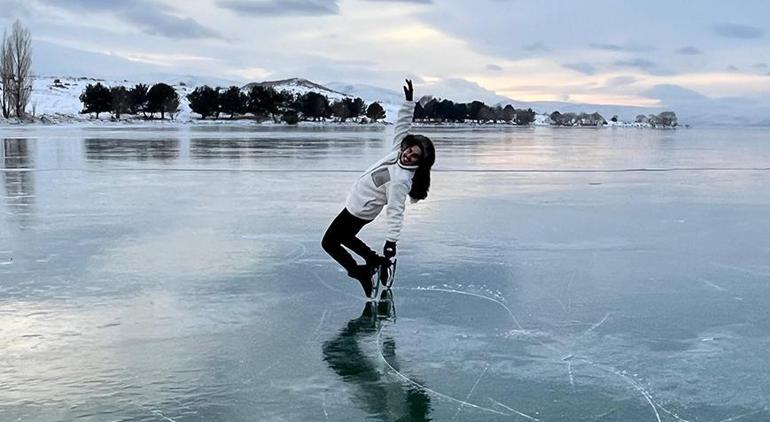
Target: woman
point(404, 172)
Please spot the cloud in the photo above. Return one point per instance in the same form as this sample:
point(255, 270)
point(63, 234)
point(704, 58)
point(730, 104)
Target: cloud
point(670, 94)
point(403, 1)
point(584, 68)
point(632, 48)
point(150, 17)
point(14, 9)
point(621, 81)
point(494, 67)
point(760, 66)
point(281, 7)
point(734, 30)
point(688, 51)
point(536, 46)
point(167, 25)
point(643, 64)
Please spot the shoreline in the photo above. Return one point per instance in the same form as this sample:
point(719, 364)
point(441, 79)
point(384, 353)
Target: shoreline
point(65, 120)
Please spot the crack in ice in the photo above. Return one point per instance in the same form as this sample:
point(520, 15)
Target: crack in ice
point(424, 388)
point(470, 393)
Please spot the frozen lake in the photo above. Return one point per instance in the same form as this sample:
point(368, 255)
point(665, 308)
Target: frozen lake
point(176, 274)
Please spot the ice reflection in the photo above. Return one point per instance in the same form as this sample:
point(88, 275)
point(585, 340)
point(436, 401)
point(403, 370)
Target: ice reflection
point(19, 184)
point(376, 394)
point(162, 150)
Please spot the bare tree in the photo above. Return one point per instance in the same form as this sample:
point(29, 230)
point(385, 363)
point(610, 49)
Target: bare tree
point(6, 75)
point(20, 54)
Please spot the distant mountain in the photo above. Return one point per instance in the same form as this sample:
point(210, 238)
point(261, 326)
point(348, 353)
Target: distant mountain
point(626, 113)
point(695, 108)
point(460, 90)
point(368, 93)
point(298, 86)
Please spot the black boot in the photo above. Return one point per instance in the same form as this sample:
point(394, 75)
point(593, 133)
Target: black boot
point(364, 273)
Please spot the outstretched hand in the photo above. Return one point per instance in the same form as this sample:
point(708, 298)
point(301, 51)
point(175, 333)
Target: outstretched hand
point(409, 90)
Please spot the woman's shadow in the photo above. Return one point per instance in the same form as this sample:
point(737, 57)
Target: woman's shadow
point(380, 396)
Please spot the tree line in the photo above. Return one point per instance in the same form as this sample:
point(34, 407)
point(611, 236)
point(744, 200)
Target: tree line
point(664, 119)
point(266, 102)
point(259, 102)
point(476, 111)
point(118, 100)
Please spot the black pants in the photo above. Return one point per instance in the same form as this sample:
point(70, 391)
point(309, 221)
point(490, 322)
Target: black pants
point(342, 232)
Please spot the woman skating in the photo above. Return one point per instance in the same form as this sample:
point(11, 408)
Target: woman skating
point(404, 172)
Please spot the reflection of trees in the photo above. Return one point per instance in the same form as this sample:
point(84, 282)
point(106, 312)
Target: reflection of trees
point(380, 397)
point(19, 185)
point(293, 149)
point(131, 149)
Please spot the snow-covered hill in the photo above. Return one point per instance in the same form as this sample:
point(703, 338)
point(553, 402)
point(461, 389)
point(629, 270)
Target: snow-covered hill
point(298, 86)
point(59, 98)
point(368, 93)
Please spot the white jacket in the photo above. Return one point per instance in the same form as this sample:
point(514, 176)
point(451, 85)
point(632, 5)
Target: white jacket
point(387, 182)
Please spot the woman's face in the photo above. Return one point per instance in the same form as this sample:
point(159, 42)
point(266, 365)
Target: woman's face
point(411, 156)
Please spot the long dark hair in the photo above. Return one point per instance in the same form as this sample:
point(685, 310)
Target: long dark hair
point(421, 178)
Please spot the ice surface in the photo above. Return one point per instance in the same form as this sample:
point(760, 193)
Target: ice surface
point(553, 275)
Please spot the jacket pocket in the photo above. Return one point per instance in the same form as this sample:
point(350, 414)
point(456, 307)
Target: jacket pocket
point(380, 176)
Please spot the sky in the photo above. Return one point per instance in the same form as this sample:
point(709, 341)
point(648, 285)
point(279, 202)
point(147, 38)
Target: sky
point(630, 53)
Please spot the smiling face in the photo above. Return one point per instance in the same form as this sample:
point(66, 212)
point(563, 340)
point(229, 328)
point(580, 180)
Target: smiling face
point(411, 156)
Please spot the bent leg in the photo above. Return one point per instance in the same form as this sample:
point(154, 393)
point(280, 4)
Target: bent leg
point(360, 248)
point(343, 228)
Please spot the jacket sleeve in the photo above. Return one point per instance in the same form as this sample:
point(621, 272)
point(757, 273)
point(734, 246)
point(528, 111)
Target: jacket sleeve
point(394, 211)
point(403, 123)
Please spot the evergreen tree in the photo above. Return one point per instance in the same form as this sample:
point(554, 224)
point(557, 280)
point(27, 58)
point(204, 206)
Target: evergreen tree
point(232, 101)
point(119, 101)
point(509, 113)
point(524, 117)
point(429, 109)
point(281, 102)
point(357, 107)
point(419, 112)
point(376, 112)
point(474, 110)
point(170, 106)
point(290, 117)
point(486, 113)
point(445, 110)
point(314, 105)
point(341, 109)
point(96, 99)
point(137, 99)
point(261, 100)
point(460, 112)
point(204, 100)
point(162, 98)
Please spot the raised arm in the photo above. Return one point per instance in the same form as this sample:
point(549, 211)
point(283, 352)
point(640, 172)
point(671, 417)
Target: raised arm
point(405, 116)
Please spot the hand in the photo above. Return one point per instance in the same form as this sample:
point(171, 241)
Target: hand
point(389, 250)
point(409, 90)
